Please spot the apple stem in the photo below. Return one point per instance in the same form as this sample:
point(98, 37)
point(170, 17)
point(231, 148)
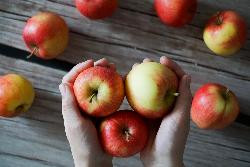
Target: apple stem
point(91, 97)
point(35, 49)
point(218, 19)
point(176, 94)
point(127, 135)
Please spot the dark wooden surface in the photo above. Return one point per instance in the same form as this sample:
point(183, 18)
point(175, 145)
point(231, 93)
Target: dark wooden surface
point(37, 138)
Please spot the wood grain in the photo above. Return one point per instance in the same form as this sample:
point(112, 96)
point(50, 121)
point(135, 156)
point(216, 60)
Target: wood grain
point(133, 33)
point(37, 138)
point(83, 47)
point(129, 35)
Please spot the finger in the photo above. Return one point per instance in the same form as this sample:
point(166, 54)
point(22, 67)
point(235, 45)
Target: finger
point(102, 62)
point(181, 112)
point(183, 102)
point(147, 60)
point(74, 72)
point(112, 66)
point(136, 64)
point(173, 66)
point(70, 109)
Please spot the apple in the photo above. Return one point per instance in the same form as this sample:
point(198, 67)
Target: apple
point(225, 33)
point(46, 35)
point(99, 91)
point(123, 133)
point(96, 9)
point(175, 13)
point(151, 89)
point(16, 95)
point(214, 107)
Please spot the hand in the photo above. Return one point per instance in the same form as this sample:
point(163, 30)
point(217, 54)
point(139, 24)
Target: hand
point(167, 141)
point(80, 130)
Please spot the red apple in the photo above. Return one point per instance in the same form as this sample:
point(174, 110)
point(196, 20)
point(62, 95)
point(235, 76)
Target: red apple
point(99, 91)
point(96, 9)
point(175, 13)
point(16, 95)
point(46, 35)
point(123, 134)
point(151, 89)
point(214, 107)
point(225, 33)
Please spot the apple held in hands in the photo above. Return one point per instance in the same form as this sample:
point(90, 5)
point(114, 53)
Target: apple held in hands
point(99, 91)
point(151, 89)
point(214, 107)
point(46, 35)
point(96, 9)
point(16, 95)
point(175, 13)
point(123, 133)
point(225, 33)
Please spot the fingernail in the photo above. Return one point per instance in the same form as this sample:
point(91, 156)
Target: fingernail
point(147, 60)
point(62, 89)
point(103, 59)
point(162, 58)
point(87, 61)
point(136, 64)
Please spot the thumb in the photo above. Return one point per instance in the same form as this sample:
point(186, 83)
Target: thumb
point(181, 111)
point(70, 109)
point(183, 102)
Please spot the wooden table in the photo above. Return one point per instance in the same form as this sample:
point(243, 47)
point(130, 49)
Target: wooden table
point(37, 138)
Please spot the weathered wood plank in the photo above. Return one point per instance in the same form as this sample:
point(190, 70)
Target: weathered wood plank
point(133, 33)
point(129, 43)
point(37, 138)
point(140, 34)
point(124, 56)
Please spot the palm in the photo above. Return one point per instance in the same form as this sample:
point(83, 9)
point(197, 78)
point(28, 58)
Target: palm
point(83, 136)
point(168, 140)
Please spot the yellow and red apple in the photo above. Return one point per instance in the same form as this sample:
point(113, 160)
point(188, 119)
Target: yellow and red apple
point(150, 89)
point(175, 13)
point(123, 133)
point(99, 91)
point(225, 33)
point(16, 95)
point(214, 107)
point(96, 9)
point(46, 35)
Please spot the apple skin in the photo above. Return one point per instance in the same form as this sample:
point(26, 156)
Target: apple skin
point(99, 91)
point(96, 9)
point(175, 13)
point(16, 95)
point(214, 107)
point(46, 35)
point(225, 33)
point(123, 133)
point(150, 89)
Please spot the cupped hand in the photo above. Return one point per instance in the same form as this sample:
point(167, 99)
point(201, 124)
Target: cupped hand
point(80, 130)
point(168, 138)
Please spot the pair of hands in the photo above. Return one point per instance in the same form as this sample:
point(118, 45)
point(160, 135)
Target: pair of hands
point(167, 139)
